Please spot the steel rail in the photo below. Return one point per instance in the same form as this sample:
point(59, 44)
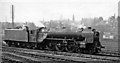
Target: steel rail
point(94, 57)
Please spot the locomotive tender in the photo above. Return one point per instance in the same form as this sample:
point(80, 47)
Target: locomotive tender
point(85, 41)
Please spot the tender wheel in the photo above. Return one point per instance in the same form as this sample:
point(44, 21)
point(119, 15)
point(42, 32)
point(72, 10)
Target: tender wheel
point(8, 43)
point(22, 45)
point(12, 44)
point(59, 47)
point(70, 47)
point(16, 44)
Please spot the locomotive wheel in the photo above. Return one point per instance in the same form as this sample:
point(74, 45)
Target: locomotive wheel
point(91, 50)
point(97, 47)
point(50, 46)
point(70, 48)
point(79, 50)
point(58, 47)
point(32, 46)
point(97, 50)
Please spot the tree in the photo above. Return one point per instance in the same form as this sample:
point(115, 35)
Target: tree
point(101, 18)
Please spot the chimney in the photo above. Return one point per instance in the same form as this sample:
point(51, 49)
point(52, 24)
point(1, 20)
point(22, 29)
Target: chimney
point(13, 16)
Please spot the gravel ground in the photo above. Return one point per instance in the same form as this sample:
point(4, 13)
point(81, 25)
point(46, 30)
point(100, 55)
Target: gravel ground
point(109, 45)
point(10, 61)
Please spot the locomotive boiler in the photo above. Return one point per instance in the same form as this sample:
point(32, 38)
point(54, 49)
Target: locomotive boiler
point(85, 41)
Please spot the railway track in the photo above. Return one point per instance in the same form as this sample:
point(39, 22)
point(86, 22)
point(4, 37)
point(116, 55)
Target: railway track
point(62, 56)
point(21, 57)
point(103, 53)
point(111, 54)
point(32, 58)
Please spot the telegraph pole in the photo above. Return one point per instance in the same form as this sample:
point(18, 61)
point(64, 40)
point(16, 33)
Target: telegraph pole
point(118, 19)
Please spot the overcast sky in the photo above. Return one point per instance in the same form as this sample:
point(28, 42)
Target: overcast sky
point(36, 10)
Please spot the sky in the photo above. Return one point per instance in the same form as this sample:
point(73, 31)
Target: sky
point(37, 10)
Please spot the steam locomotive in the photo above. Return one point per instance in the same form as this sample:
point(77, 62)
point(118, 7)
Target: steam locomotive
point(83, 41)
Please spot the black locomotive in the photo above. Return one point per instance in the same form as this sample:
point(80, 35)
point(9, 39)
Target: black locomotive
point(84, 41)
